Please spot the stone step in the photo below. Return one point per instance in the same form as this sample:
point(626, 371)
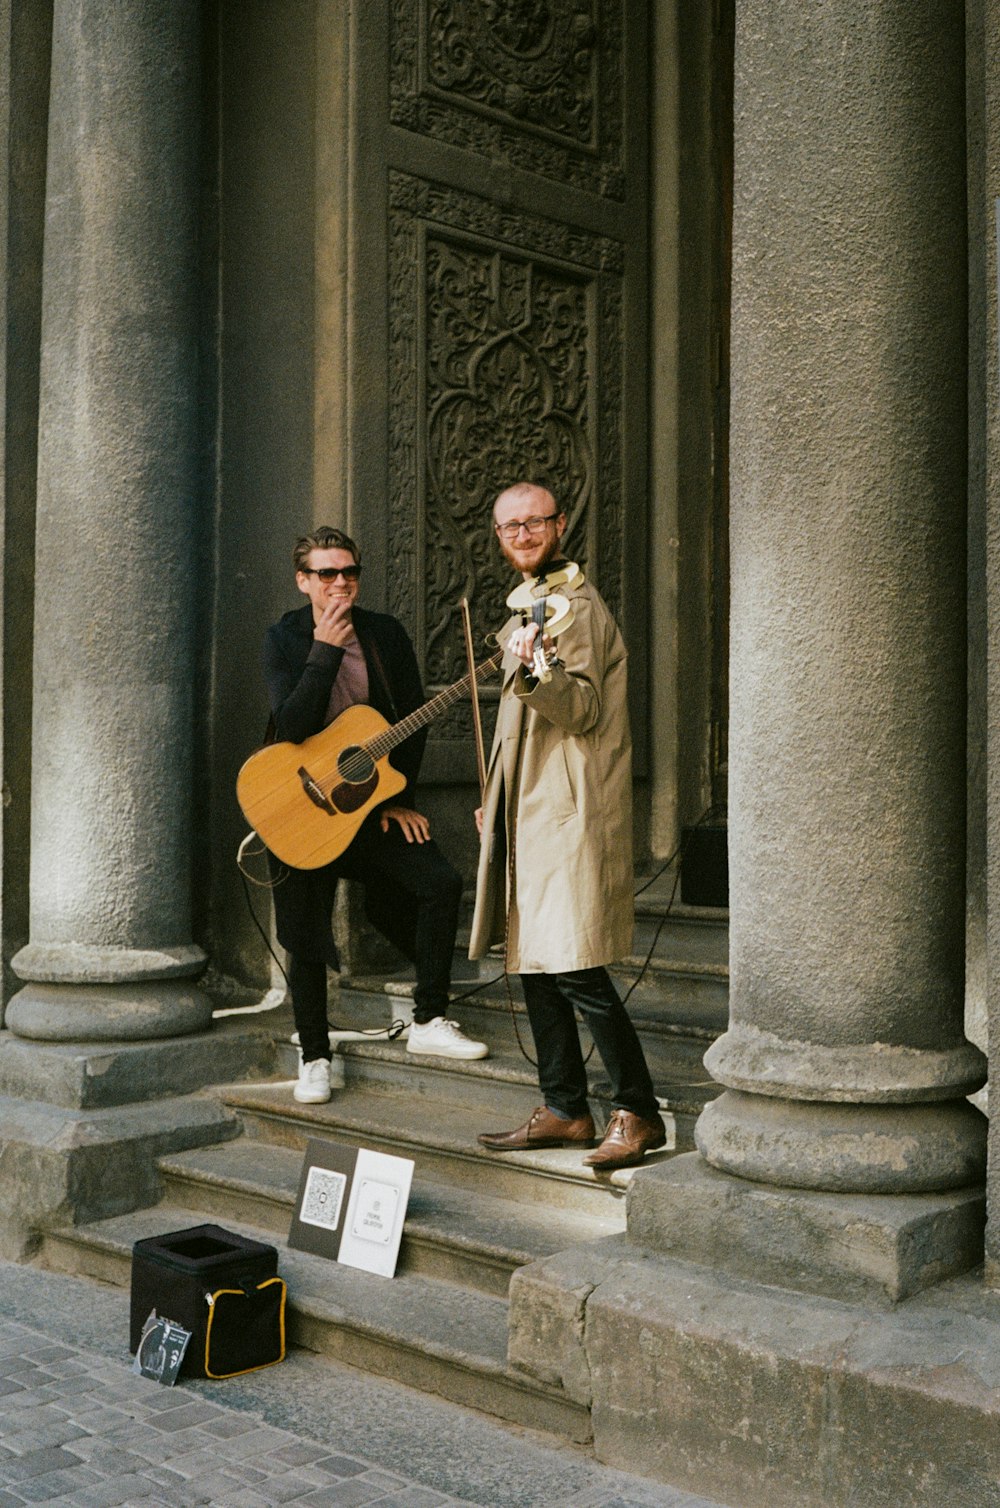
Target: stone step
point(504, 1086)
point(681, 938)
point(692, 1004)
point(453, 1234)
point(683, 989)
point(96, 1162)
point(694, 933)
point(440, 1136)
point(694, 1000)
point(655, 944)
point(660, 894)
point(689, 1000)
point(428, 1333)
point(674, 1054)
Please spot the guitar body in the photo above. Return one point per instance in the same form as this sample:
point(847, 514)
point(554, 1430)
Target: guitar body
point(307, 801)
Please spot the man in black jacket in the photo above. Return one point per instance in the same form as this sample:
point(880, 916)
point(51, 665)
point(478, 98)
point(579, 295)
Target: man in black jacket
point(319, 660)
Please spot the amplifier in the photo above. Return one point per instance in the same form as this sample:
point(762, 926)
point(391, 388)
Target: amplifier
point(705, 865)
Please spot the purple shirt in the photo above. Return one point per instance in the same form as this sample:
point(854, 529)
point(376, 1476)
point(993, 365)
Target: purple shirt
point(350, 683)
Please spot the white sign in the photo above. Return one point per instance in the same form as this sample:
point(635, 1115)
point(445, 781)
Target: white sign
point(351, 1205)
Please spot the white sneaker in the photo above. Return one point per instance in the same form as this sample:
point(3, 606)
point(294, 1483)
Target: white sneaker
point(441, 1038)
point(313, 1087)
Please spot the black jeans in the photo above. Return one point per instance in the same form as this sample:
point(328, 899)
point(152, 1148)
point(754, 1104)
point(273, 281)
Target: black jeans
point(551, 999)
point(412, 896)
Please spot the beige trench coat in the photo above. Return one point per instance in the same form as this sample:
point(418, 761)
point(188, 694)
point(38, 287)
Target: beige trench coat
point(559, 787)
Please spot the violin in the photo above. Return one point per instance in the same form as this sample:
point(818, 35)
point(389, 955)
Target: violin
point(551, 611)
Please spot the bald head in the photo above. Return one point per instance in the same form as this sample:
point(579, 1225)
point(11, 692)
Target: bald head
point(526, 495)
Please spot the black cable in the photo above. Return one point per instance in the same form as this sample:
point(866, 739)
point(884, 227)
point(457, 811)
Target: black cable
point(662, 870)
point(467, 994)
point(260, 928)
point(678, 853)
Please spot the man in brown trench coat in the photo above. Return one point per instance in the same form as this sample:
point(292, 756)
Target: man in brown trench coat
point(559, 798)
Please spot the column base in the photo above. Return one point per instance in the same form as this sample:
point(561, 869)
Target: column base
point(82, 963)
point(734, 1389)
point(875, 1073)
point(82, 1125)
point(93, 1076)
point(67, 1167)
point(107, 1012)
point(859, 1248)
point(844, 1149)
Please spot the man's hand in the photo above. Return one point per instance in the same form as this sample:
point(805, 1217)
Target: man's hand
point(415, 826)
point(521, 643)
point(335, 626)
point(479, 820)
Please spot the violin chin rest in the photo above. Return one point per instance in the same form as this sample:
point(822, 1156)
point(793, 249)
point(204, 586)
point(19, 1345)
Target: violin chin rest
point(524, 596)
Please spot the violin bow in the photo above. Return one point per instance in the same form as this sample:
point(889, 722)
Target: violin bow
point(477, 722)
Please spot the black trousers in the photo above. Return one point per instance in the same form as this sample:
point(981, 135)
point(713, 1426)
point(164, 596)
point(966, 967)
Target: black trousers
point(412, 896)
point(551, 1000)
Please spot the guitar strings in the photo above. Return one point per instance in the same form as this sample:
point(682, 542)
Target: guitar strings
point(357, 767)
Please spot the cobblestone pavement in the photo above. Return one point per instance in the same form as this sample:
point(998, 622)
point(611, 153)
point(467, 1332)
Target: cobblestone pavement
point(77, 1426)
point(84, 1430)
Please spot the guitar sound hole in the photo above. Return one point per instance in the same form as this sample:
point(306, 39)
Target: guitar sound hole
point(355, 765)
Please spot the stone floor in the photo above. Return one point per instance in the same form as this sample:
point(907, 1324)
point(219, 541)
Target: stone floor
point(77, 1426)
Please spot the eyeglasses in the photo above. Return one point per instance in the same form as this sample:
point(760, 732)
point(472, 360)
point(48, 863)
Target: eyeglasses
point(534, 525)
point(330, 573)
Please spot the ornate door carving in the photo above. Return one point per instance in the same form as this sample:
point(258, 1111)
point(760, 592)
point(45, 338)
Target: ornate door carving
point(507, 216)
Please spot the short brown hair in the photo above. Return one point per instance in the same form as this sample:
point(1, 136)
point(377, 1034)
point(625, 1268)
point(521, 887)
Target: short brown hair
point(323, 538)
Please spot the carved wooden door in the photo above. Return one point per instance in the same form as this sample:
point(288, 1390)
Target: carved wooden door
point(498, 305)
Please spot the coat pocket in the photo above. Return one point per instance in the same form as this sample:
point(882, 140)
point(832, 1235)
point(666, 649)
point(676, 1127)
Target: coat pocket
point(565, 807)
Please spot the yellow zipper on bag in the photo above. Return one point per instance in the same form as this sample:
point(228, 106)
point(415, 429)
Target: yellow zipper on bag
point(210, 1299)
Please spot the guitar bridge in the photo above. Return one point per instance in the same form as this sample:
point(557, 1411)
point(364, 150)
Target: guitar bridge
point(315, 792)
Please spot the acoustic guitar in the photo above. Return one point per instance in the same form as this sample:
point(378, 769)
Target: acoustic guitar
point(307, 800)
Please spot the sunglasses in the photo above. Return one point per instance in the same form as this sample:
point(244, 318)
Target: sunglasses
point(330, 573)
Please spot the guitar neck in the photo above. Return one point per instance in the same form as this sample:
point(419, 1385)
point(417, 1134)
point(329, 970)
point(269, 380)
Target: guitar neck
point(381, 744)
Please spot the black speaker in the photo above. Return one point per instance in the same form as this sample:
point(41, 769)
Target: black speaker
point(705, 865)
point(219, 1285)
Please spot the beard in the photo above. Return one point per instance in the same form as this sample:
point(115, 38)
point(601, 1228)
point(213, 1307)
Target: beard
point(534, 557)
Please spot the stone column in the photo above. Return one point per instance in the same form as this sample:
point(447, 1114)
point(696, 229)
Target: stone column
point(25, 48)
point(985, 25)
point(845, 1063)
point(110, 928)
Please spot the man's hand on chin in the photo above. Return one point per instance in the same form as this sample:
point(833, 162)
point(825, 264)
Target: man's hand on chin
point(334, 625)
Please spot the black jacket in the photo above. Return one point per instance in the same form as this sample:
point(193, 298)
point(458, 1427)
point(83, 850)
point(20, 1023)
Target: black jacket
point(300, 673)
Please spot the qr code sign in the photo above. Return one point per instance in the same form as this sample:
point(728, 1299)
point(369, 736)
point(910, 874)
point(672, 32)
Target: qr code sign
point(323, 1197)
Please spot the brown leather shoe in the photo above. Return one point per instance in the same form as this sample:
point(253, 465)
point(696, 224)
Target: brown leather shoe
point(542, 1129)
point(627, 1140)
